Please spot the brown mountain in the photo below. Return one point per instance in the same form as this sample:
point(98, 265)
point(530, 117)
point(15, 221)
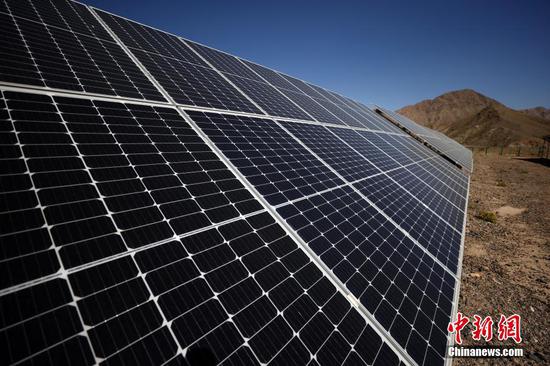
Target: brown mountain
point(537, 112)
point(477, 120)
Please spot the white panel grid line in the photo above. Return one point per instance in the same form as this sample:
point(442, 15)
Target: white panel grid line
point(132, 56)
point(449, 171)
point(438, 192)
point(426, 179)
point(45, 90)
point(431, 198)
point(424, 204)
point(345, 184)
point(408, 165)
point(222, 75)
point(53, 25)
point(293, 80)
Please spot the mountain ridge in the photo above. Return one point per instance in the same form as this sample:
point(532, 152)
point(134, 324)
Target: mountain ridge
point(475, 119)
point(541, 112)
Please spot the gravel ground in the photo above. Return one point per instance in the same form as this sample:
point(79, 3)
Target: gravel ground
point(506, 266)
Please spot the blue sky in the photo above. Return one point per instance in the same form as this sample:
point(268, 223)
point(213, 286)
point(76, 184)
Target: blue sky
point(388, 52)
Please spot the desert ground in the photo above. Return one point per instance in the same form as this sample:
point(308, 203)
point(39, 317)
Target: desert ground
point(506, 265)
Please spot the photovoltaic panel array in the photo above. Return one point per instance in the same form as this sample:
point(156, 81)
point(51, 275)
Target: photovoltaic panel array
point(164, 203)
point(110, 253)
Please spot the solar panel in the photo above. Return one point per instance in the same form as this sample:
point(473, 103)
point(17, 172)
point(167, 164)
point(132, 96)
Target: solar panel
point(346, 161)
point(414, 216)
point(440, 142)
point(361, 143)
point(163, 202)
point(180, 71)
point(42, 48)
point(277, 165)
point(336, 104)
point(379, 265)
point(435, 200)
point(308, 89)
point(266, 96)
point(272, 77)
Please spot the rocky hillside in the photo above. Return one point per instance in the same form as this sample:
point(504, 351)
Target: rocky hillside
point(475, 119)
point(538, 112)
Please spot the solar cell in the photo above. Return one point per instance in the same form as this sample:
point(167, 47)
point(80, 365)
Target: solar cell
point(444, 175)
point(410, 146)
point(312, 90)
point(373, 118)
point(451, 148)
point(224, 62)
point(268, 98)
point(343, 114)
point(305, 102)
point(362, 120)
point(454, 192)
point(64, 14)
point(193, 84)
point(335, 104)
point(383, 142)
point(450, 170)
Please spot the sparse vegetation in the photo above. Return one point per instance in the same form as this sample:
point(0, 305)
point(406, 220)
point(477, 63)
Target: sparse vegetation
point(488, 216)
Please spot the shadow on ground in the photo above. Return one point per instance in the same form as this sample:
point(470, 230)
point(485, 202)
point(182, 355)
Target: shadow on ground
point(541, 161)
